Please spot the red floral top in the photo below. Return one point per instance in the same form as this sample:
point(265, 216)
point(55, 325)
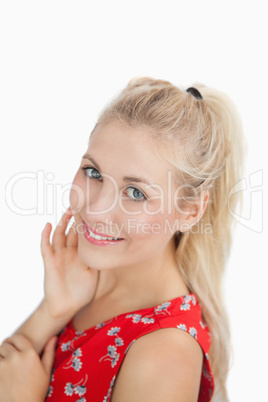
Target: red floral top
point(87, 362)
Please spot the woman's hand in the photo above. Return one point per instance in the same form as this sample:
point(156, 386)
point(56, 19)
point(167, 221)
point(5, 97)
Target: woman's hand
point(23, 376)
point(69, 284)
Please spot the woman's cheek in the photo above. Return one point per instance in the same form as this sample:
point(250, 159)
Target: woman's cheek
point(153, 219)
point(77, 196)
point(142, 211)
point(144, 226)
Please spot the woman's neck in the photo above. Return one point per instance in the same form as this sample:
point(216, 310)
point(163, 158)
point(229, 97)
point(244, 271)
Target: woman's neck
point(148, 282)
point(131, 288)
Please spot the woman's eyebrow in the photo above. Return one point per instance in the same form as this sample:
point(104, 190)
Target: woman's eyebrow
point(126, 179)
point(87, 156)
point(136, 180)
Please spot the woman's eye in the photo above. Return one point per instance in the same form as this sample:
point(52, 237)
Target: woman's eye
point(92, 172)
point(135, 194)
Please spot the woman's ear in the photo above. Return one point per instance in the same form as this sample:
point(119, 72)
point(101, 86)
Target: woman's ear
point(194, 213)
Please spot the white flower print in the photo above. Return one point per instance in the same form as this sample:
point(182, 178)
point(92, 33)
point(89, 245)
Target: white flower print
point(115, 360)
point(50, 391)
point(162, 309)
point(187, 298)
point(70, 344)
point(136, 318)
point(65, 346)
point(81, 400)
point(207, 375)
point(106, 398)
point(186, 303)
point(101, 325)
point(52, 375)
point(69, 389)
point(112, 355)
point(182, 326)
point(185, 306)
point(75, 362)
point(147, 320)
point(79, 388)
point(77, 352)
point(119, 341)
point(113, 331)
point(79, 334)
point(111, 350)
point(193, 332)
point(202, 324)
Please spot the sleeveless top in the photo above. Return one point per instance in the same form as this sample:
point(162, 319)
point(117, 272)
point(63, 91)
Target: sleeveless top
point(87, 362)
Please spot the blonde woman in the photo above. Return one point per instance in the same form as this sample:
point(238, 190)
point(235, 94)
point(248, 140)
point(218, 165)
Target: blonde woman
point(133, 309)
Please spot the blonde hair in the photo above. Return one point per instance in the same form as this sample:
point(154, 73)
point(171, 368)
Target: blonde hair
point(203, 139)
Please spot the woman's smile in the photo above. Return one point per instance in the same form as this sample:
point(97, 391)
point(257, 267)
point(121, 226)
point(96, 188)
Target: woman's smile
point(98, 239)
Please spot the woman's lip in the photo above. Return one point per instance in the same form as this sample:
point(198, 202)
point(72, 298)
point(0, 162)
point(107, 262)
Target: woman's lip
point(97, 242)
point(98, 233)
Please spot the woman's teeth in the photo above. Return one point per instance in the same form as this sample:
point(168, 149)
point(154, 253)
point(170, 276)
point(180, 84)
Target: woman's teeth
point(98, 237)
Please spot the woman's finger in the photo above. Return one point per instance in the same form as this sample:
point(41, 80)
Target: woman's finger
point(59, 238)
point(46, 248)
point(49, 355)
point(18, 342)
point(72, 236)
point(6, 349)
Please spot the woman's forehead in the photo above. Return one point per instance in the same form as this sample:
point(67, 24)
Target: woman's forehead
point(128, 149)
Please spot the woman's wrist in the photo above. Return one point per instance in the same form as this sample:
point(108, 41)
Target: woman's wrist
point(54, 316)
point(42, 325)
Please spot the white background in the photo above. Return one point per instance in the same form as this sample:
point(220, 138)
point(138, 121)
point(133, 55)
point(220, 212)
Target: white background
point(61, 61)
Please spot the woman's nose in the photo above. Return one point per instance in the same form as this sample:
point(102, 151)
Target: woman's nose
point(104, 201)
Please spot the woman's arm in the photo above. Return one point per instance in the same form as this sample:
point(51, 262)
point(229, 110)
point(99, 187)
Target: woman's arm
point(164, 365)
point(69, 285)
point(23, 375)
point(41, 326)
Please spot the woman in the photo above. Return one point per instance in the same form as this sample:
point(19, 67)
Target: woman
point(135, 284)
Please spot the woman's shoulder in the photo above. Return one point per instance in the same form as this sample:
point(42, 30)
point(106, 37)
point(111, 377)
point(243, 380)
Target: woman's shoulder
point(159, 366)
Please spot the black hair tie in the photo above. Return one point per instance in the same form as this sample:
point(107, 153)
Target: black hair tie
point(195, 93)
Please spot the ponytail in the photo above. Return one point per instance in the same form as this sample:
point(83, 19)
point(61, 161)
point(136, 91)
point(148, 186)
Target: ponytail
point(202, 255)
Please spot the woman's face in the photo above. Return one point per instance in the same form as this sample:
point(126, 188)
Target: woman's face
point(122, 199)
